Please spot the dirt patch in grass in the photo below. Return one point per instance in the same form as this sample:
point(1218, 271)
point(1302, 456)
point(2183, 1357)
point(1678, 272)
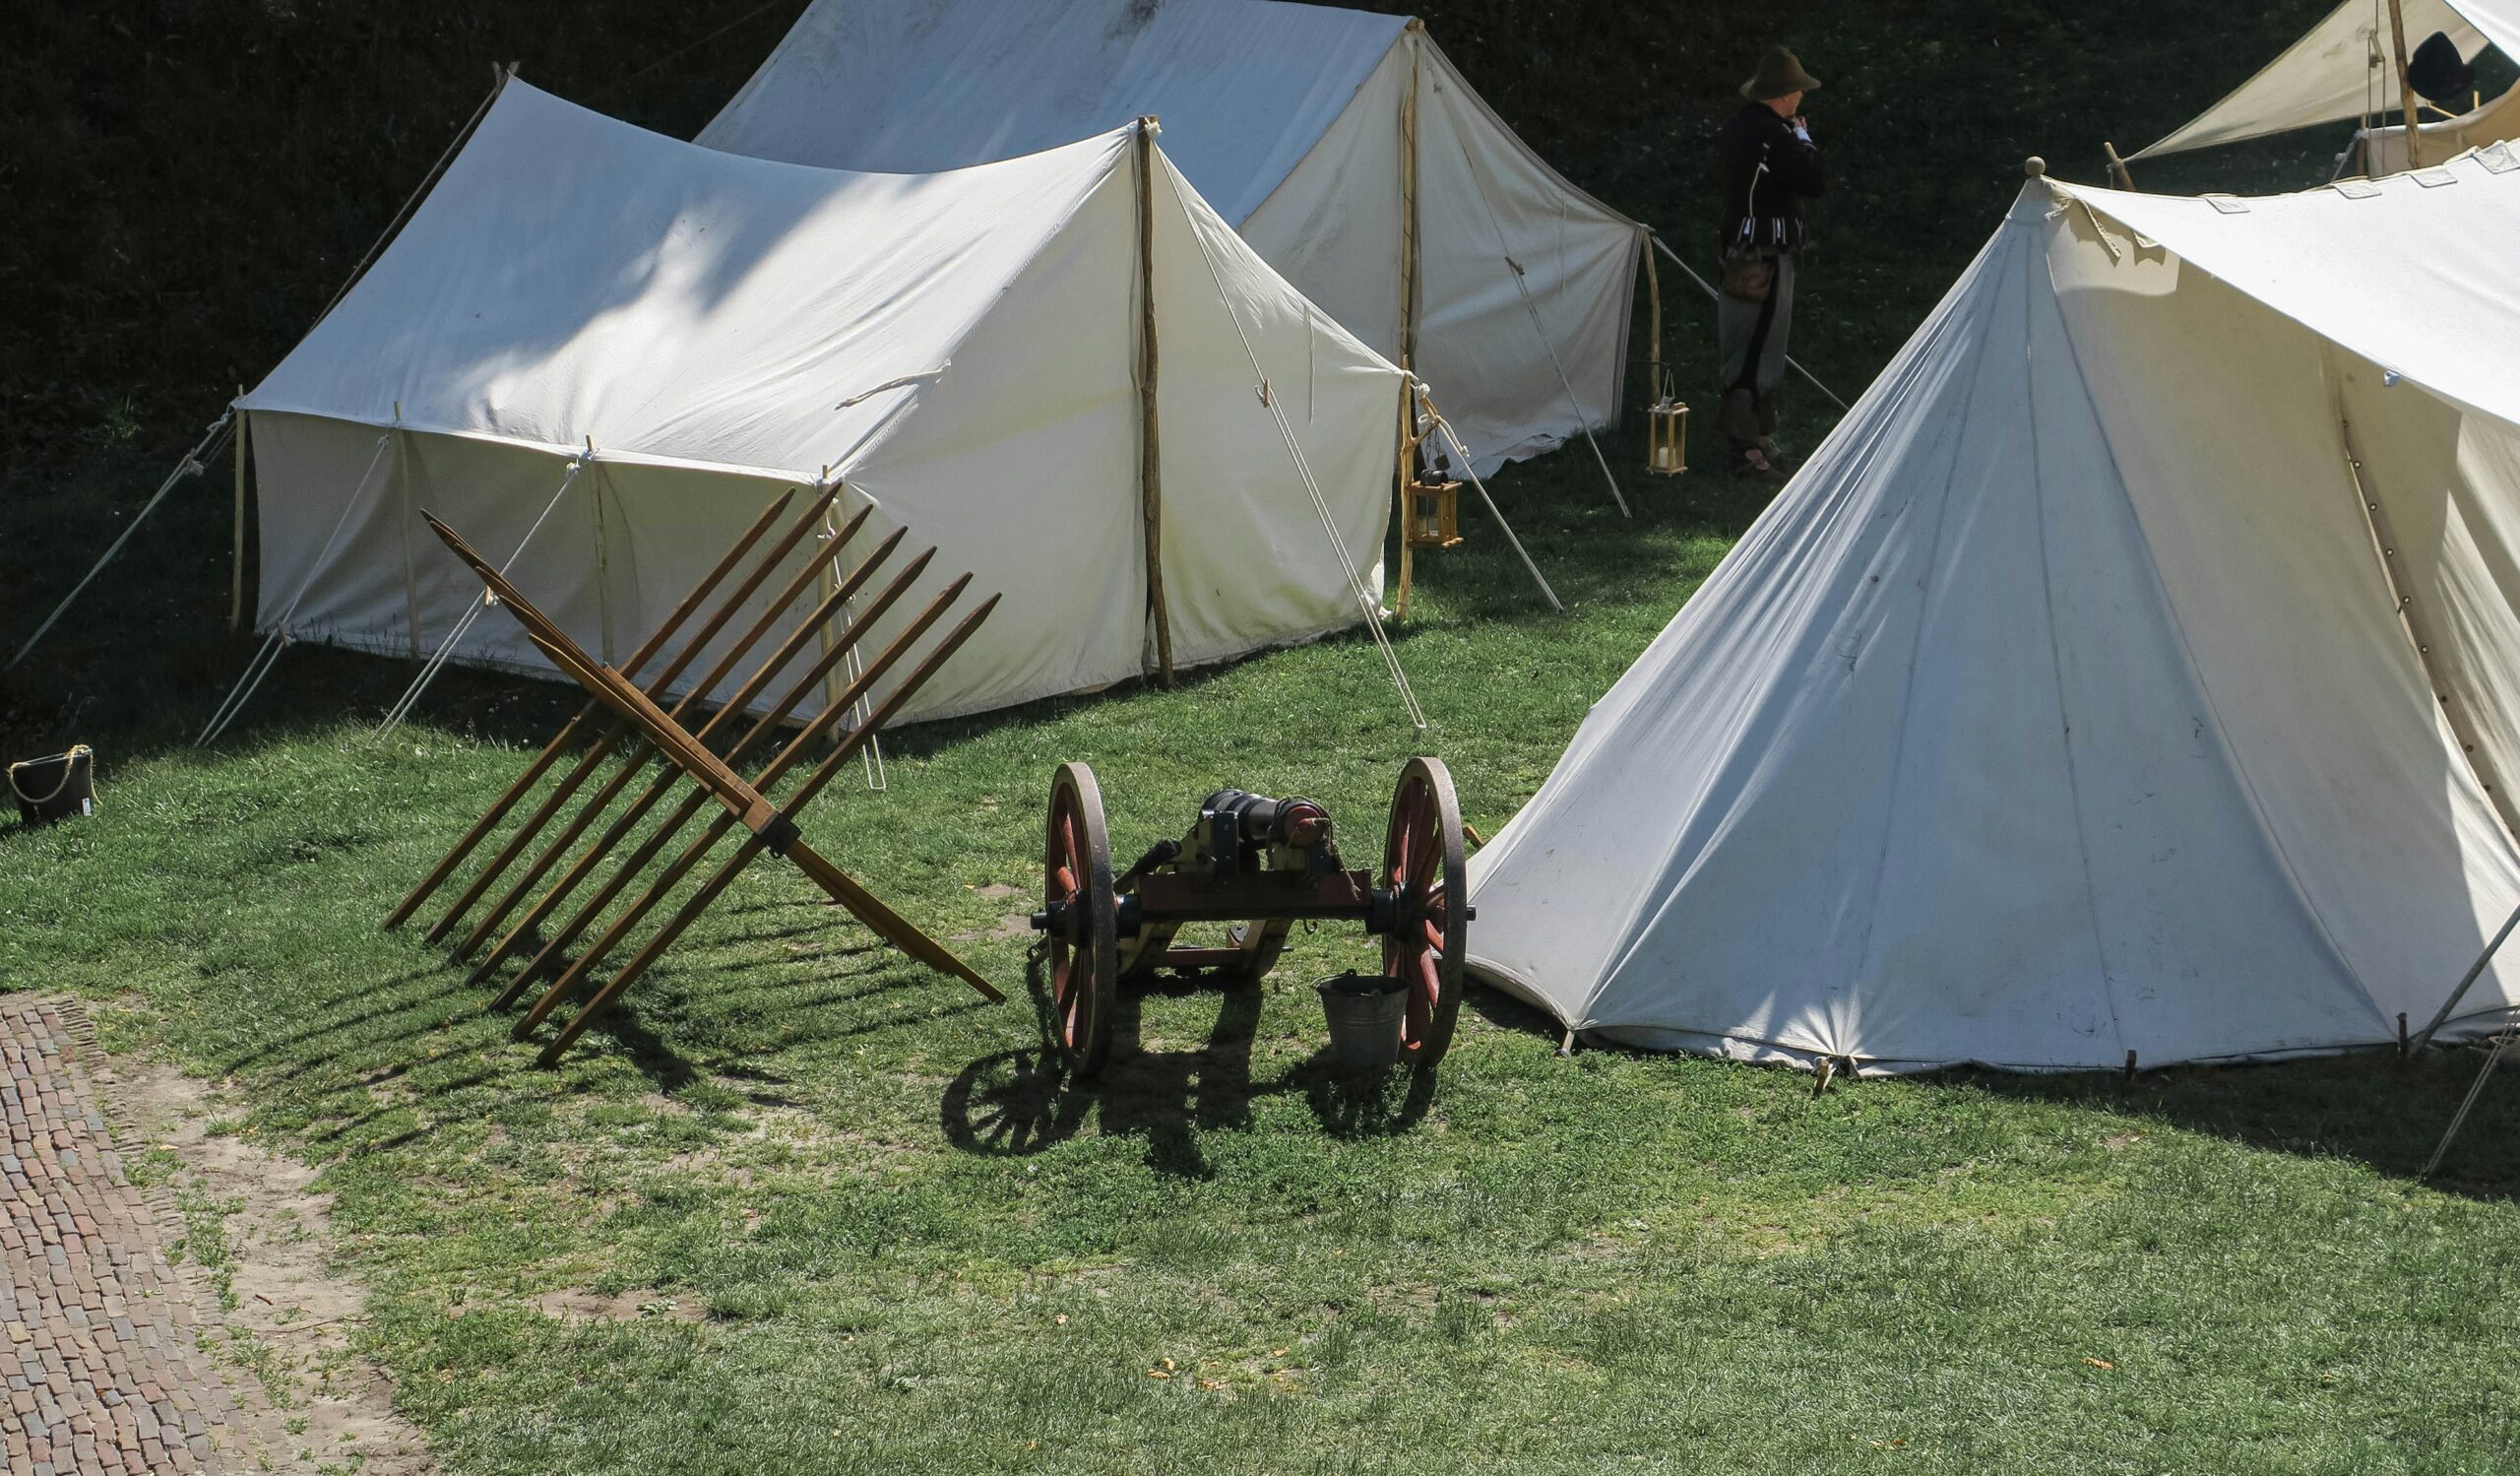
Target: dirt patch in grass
point(570, 1305)
point(289, 1314)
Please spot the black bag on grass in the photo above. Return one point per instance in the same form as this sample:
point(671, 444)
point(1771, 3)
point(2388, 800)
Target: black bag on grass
point(51, 789)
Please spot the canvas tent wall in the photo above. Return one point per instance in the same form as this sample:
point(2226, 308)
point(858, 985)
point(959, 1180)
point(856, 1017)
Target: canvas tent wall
point(2345, 67)
point(959, 348)
point(1345, 147)
point(2134, 670)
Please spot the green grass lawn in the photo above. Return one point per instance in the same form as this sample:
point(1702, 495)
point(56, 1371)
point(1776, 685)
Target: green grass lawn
point(857, 1221)
point(852, 1218)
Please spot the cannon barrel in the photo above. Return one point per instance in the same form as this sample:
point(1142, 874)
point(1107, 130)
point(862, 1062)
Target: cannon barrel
point(1261, 820)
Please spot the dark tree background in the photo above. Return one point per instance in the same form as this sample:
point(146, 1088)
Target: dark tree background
point(185, 183)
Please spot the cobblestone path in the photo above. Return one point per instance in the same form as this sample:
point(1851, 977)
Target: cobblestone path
point(98, 1349)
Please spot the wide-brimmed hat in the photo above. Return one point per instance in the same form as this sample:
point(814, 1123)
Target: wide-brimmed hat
point(1779, 74)
point(2438, 72)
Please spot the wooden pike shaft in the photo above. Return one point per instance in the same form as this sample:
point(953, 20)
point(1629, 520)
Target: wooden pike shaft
point(593, 758)
point(631, 768)
point(833, 653)
point(835, 883)
point(559, 743)
point(698, 850)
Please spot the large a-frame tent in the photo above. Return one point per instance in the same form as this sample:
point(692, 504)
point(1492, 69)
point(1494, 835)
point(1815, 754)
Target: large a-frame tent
point(2133, 674)
point(2345, 67)
point(1342, 145)
point(963, 350)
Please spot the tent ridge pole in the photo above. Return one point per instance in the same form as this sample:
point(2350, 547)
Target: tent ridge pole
point(1149, 432)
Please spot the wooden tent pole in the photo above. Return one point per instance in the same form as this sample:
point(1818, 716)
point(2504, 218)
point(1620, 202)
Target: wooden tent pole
point(1411, 287)
point(1409, 224)
point(1654, 301)
point(2117, 167)
point(237, 565)
point(1150, 433)
point(2405, 91)
point(1399, 494)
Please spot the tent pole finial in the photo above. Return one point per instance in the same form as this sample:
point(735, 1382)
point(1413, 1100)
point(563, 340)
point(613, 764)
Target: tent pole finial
point(2034, 166)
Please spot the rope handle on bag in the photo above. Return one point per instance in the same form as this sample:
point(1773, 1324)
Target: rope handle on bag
point(69, 764)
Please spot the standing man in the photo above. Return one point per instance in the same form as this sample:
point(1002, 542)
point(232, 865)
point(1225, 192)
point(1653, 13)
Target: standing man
point(1767, 166)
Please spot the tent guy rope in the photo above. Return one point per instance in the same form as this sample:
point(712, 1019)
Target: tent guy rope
point(215, 439)
point(436, 663)
point(1504, 251)
point(1708, 288)
point(1365, 600)
point(194, 463)
point(1454, 437)
point(279, 640)
point(506, 74)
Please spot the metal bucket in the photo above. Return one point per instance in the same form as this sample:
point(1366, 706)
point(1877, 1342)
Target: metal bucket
point(1364, 1011)
point(50, 789)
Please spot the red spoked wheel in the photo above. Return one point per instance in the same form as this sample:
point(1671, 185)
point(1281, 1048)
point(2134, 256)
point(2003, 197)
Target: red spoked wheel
point(1085, 948)
point(1422, 867)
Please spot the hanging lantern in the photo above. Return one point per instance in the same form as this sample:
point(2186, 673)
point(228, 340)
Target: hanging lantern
point(1666, 435)
point(1434, 506)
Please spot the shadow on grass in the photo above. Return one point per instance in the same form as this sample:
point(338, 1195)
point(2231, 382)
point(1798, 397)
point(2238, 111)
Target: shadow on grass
point(1016, 1103)
point(2366, 1106)
point(2369, 1107)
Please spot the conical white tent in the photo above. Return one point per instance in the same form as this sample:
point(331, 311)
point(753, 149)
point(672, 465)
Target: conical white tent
point(2134, 670)
point(959, 350)
point(2345, 67)
point(1342, 145)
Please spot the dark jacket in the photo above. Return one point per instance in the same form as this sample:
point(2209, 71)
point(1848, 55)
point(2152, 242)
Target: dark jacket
point(1765, 173)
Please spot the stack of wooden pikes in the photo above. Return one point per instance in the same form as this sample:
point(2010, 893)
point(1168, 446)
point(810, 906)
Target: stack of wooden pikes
point(534, 922)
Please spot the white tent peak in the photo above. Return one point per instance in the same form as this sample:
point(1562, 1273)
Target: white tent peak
point(961, 350)
point(2135, 669)
point(1342, 145)
point(708, 244)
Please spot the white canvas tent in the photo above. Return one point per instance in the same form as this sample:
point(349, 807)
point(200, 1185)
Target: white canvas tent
point(1342, 145)
point(959, 349)
point(2135, 669)
point(2345, 67)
